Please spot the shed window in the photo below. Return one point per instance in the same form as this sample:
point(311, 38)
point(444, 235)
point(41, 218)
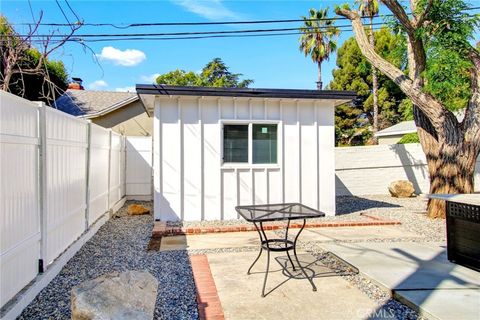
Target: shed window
point(264, 143)
point(235, 143)
point(261, 139)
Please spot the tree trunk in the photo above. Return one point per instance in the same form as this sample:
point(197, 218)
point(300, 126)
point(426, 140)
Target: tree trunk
point(319, 82)
point(449, 173)
point(374, 88)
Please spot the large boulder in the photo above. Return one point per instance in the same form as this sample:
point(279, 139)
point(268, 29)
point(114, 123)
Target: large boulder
point(401, 189)
point(126, 295)
point(136, 209)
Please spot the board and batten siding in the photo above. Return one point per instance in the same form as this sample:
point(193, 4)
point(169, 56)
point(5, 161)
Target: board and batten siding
point(191, 182)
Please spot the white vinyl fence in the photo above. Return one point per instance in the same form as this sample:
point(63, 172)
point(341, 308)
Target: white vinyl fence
point(369, 170)
point(58, 175)
point(139, 168)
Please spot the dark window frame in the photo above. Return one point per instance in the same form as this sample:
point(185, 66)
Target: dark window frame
point(249, 159)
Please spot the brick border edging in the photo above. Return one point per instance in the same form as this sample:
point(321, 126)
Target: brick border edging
point(209, 305)
point(160, 228)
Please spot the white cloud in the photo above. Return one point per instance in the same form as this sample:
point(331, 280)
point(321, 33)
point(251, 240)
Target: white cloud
point(97, 85)
point(126, 89)
point(150, 78)
point(127, 58)
point(209, 9)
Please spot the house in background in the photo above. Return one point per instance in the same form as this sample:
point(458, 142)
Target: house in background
point(393, 134)
point(216, 148)
point(123, 112)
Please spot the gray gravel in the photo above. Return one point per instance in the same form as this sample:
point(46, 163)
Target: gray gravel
point(120, 245)
point(409, 211)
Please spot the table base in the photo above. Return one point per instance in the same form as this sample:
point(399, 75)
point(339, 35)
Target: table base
point(279, 245)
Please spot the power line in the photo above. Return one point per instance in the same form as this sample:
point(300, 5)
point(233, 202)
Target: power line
point(75, 39)
point(151, 24)
point(194, 32)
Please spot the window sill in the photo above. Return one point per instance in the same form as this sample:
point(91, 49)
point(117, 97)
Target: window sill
point(249, 166)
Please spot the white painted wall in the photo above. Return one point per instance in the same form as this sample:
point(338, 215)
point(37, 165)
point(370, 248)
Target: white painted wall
point(369, 170)
point(192, 183)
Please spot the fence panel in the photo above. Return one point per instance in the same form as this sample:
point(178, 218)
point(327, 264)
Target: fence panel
point(139, 167)
point(116, 168)
point(19, 209)
point(66, 147)
point(123, 167)
point(98, 179)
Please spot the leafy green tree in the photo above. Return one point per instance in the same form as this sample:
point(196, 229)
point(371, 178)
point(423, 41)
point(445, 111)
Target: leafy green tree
point(353, 72)
point(409, 138)
point(25, 71)
point(214, 74)
point(318, 39)
point(179, 78)
point(436, 31)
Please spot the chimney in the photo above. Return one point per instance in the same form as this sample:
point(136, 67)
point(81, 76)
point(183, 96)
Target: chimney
point(76, 84)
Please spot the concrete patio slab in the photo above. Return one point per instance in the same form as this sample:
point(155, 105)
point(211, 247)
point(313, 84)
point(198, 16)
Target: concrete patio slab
point(444, 304)
point(291, 298)
point(212, 241)
point(418, 274)
point(355, 233)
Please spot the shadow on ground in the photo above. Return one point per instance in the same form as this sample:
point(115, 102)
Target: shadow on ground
point(313, 267)
point(351, 204)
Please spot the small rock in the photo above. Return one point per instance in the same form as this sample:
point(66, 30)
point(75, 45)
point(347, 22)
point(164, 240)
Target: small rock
point(126, 295)
point(401, 189)
point(137, 209)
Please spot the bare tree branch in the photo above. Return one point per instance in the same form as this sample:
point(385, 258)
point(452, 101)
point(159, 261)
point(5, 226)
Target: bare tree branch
point(390, 70)
point(418, 21)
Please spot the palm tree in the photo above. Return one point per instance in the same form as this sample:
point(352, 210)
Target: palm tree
point(317, 40)
point(369, 8)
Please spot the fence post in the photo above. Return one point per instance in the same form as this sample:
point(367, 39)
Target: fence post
point(124, 166)
point(109, 167)
point(43, 185)
point(87, 172)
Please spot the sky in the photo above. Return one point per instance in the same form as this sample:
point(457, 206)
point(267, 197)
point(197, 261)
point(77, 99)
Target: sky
point(272, 62)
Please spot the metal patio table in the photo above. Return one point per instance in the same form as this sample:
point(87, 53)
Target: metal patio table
point(258, 214)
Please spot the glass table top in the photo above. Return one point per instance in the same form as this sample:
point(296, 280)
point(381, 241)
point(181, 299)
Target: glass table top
point(278, 211)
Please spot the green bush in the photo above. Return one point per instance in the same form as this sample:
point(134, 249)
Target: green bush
point(409, 138)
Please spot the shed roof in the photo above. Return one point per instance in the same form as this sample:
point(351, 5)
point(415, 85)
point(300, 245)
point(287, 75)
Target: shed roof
point(244, 92)
point(91, 104)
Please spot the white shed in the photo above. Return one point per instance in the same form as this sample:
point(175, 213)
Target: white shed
point(216, 148)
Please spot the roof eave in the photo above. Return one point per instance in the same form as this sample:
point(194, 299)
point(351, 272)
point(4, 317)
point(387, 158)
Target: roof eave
point(341, 96)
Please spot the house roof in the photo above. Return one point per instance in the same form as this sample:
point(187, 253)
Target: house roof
point(405, 127)
point(91, 104)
